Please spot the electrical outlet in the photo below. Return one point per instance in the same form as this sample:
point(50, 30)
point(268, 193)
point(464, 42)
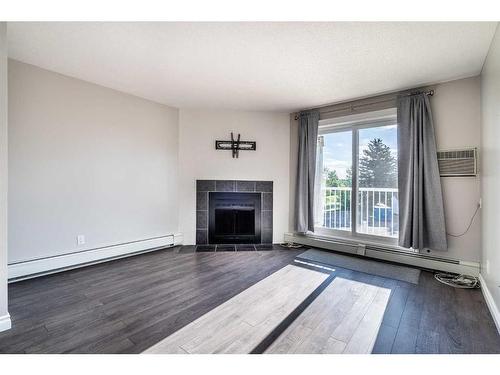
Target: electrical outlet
point(80, 240)
point(480, 203)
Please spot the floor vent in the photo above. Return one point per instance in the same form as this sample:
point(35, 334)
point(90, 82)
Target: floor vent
point(457, 163)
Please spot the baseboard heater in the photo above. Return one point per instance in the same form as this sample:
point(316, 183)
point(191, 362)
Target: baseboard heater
point(386, 253)
point(38, 267)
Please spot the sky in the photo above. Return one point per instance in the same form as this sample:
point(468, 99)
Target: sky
point(337, 151)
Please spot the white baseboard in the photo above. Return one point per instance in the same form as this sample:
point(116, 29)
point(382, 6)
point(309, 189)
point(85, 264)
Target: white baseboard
point(490, 302)
point(33, 268)
point(412, 259)
point(5, 323)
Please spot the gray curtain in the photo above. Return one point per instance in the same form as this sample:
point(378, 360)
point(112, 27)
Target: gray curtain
point(304, 198)
point(421, 214)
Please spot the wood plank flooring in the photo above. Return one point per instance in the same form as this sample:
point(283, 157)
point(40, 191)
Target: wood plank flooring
point(129, 305)
point(345, 318)
point(241, 323)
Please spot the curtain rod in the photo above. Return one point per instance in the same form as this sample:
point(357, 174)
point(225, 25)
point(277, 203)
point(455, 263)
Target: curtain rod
point(353, 106)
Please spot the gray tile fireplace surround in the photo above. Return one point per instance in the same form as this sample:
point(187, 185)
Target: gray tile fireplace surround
point(203, 187)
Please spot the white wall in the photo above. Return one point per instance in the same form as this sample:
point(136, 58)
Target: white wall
point(198, 159)
point(4, 320)
point(456, 108)
point(84, 159)
point(490, 182)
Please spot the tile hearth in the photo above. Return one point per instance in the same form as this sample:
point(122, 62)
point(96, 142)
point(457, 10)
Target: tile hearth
point(237, 247)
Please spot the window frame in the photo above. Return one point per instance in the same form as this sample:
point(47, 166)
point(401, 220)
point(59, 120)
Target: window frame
point(355, 123)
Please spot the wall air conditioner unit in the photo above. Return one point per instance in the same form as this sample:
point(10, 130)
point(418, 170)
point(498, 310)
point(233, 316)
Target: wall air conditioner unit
point(457, 163)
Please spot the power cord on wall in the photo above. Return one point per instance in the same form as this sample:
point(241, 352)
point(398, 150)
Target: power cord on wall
point(460, 281)
point(470, 223)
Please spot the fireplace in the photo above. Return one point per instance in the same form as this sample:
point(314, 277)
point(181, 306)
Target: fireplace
point(234, 218)
point(230, 212)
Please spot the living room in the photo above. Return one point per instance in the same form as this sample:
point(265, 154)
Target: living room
point(249, 187)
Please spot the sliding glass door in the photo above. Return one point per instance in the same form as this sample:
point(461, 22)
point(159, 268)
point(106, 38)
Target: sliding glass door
point(356, 179)
point(333, 206)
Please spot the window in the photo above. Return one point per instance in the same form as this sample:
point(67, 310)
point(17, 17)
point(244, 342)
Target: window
point(356, 176)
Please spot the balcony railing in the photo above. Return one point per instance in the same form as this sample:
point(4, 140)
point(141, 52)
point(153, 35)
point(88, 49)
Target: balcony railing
point(377, 211)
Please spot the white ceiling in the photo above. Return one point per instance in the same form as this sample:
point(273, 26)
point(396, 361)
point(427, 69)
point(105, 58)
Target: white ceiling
point(254, 66)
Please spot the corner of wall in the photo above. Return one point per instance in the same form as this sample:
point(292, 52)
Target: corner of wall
point(490, 302)
point(4, 315)
point(490, 157)
point(294, 140)
point(5, 323)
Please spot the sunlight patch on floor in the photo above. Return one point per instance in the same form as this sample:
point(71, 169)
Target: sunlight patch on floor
point(241, 323)
point(344, 318)
point(314, 265)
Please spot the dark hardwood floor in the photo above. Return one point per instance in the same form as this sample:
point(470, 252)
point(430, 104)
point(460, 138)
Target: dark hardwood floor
point(127, 305)
point(433, 318)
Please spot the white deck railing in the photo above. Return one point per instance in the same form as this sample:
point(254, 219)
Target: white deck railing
point(377, 210)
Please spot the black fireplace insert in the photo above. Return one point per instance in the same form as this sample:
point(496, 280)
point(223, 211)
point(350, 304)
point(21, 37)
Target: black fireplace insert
point(234, 218)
